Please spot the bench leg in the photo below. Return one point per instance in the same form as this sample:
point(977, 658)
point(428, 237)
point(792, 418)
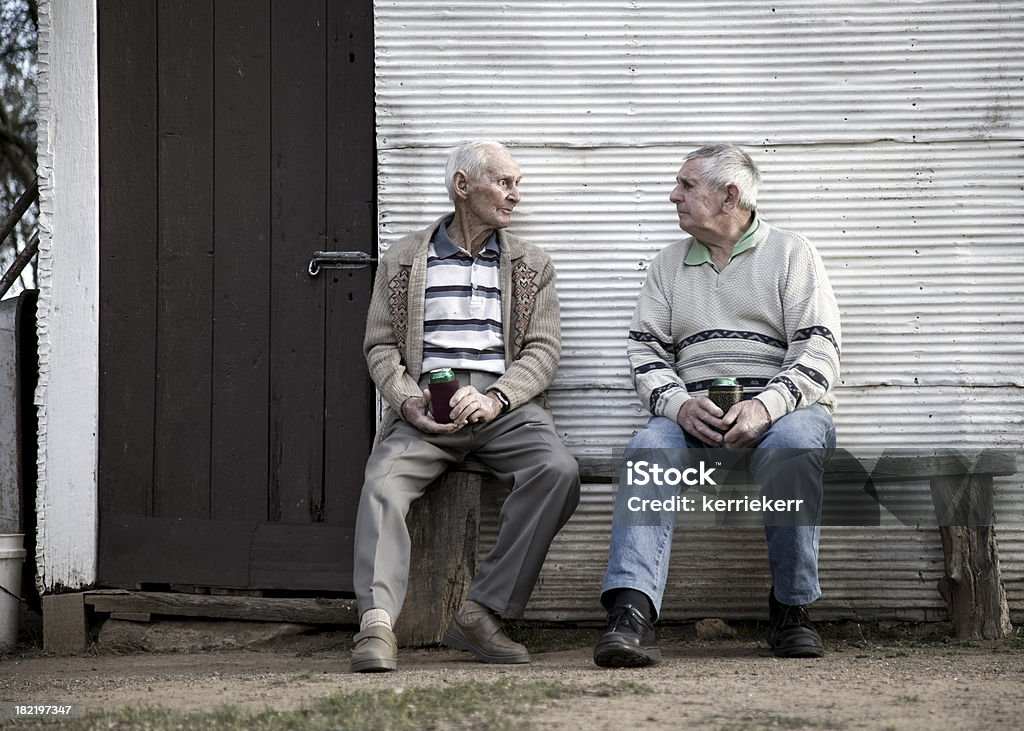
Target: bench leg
point(444, 526)
point(973, 585)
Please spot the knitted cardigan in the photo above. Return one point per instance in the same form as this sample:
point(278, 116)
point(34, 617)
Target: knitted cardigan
point(393, 344)
point(769, 319)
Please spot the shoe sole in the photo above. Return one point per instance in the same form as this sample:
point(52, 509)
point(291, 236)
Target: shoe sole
point(378, 665)
point(458, 643)
point(620, 655)
point(810, 647)
point(799, 651)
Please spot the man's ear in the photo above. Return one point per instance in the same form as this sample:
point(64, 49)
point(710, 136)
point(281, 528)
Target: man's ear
point(460, 182)
point(732, 198)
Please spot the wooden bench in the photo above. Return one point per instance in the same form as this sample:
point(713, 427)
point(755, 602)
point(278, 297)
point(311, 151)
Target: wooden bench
point(444, 526)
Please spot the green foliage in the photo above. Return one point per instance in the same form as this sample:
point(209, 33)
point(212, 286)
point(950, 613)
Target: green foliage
point(19, 31)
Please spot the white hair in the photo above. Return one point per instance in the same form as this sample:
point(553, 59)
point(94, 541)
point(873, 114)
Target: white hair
point(472, 159)
point(726, 165)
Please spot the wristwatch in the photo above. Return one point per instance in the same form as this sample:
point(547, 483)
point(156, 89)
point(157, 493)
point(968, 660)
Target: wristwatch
point(505, 405)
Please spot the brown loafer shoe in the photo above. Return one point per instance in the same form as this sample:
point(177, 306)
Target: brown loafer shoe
point(476, 629)
point(376, 650)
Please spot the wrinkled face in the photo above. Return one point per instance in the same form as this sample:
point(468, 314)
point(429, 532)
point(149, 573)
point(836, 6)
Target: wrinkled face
point(696, 204)
point(491, 197)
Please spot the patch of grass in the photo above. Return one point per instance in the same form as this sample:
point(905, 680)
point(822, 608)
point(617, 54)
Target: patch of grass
point(300, 678)
point(749, 723)
point(504, 705)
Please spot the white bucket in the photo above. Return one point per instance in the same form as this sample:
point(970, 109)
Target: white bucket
point(12, 556)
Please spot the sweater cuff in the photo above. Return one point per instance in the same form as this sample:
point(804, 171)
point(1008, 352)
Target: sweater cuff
point(775, 402)
point(669, 406)
point(396, 406)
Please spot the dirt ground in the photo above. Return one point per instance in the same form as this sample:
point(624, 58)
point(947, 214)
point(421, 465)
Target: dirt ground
point(909, 680)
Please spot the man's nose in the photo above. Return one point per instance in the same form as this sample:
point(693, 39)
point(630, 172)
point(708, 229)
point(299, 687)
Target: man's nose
point(674, 196)
point(513, 193)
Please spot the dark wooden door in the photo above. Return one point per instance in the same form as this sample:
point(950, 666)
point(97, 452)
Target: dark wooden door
point(236, 137)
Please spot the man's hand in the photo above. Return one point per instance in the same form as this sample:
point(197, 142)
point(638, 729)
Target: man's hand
point(414, 410)
point(700, 418)
point(746, 422)
point(471, 406)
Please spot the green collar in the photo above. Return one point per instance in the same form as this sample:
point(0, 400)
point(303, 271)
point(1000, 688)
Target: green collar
point(700, 254)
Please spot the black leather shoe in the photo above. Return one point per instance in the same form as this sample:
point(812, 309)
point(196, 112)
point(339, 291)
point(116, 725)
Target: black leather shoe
point(630, 642)
point(790, 632)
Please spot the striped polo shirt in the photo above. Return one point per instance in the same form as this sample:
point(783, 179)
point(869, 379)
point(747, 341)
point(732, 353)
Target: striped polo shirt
point(462, 325)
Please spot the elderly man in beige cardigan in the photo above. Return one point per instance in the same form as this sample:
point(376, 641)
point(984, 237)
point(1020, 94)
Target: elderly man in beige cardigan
point(463, 294)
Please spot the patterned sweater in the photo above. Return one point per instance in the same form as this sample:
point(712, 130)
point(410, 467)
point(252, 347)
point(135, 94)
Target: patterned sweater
point(393, 344)
point(769, 319)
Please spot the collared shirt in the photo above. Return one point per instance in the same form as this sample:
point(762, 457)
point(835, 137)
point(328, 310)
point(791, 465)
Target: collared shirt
point(462, 325)
point(701, 254)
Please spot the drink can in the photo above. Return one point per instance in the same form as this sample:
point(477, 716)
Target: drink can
point(442, 375)
point(725, 393)
point(443, 386)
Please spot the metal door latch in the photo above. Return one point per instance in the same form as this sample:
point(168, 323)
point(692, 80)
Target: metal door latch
point(339, 260)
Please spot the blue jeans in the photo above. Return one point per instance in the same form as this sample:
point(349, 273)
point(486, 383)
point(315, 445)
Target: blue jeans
point(639, 553)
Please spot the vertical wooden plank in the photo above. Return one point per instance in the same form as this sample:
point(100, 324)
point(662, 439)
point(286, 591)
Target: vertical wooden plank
point(351, 226)
point(298, 201)
point(128, 256)
point(241, 275)
point(185, 269)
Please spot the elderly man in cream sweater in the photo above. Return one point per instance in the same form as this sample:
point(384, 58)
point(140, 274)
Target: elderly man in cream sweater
point(744, 300)
point(463, 294)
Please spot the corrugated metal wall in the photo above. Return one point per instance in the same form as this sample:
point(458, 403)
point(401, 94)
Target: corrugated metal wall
point(888, 133)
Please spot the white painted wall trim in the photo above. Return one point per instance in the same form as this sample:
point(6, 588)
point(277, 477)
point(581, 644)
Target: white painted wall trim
point(68, 274)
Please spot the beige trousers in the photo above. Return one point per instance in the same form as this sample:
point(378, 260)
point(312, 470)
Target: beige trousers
point(523, 450)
